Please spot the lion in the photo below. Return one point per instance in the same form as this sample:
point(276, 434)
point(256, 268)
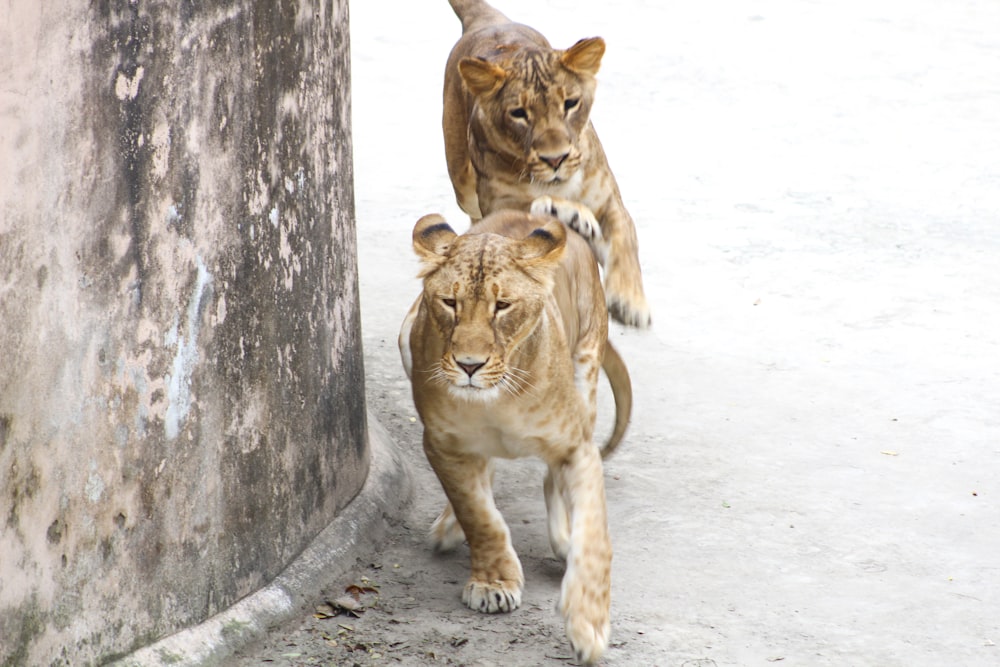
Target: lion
point(517, 126)
point(503, 349)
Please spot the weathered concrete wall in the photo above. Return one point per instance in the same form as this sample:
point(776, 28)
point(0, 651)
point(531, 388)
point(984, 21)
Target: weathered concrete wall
point(181, 381)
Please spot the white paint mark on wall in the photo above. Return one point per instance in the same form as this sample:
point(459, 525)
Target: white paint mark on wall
point(126, 88)
point(161, 150)
point(95, 485)
point(220, 311)
point(173, 215)
point(259, 200)
point(179, 380)
point(204, 28)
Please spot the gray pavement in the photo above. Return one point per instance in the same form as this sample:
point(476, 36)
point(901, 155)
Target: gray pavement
point(812, 476)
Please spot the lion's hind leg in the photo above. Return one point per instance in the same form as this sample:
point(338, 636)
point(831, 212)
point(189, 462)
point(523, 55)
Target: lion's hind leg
point(446, 532)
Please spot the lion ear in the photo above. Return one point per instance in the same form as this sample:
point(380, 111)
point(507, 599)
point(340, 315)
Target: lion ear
point(480, 77)
point(539, 252)
point(432, 239)
point(584, 56)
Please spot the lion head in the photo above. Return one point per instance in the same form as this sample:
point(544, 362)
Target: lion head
point(485, 294)
point(532, 104)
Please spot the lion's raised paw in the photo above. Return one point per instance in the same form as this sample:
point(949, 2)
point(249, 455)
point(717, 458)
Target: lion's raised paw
point(574, 215)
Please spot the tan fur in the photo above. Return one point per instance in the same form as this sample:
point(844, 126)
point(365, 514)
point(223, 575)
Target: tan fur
point(503, 349)
point(517, 127)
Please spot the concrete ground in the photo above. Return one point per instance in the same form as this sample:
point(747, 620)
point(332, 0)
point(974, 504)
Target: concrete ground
point(812, 476)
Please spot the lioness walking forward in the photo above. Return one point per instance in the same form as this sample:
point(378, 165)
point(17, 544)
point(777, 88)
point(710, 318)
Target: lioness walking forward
point(503, 349)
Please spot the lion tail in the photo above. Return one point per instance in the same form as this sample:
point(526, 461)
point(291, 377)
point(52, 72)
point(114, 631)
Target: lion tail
point(621, 387)
point(475, 14)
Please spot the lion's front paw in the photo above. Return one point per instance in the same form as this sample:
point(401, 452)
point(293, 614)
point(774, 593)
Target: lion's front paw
point(585, 600)
point(586, 609)
point(492, 597)
point(588, 639)
point(574, 215)
point(626, 301)
point(446, 531)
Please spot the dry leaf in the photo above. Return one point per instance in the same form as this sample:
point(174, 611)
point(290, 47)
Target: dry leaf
point(356, 591)
point(347, 603)
point(325, 610)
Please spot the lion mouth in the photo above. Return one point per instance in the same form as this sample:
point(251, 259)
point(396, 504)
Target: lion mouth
point(549, 176)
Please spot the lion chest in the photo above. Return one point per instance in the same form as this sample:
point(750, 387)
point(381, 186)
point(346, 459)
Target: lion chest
point(504, 428)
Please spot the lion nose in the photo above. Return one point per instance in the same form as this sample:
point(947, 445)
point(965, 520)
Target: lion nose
point(553, 160)
point(470, 369)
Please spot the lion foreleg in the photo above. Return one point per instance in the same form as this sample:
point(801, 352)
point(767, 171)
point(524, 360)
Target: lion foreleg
point(558, 515)
point(496, 578)
point(622, 274)
point(586, 366)
point(446, 531)
point(585, 601)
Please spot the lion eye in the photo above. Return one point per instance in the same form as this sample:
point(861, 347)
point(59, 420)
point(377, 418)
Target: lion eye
point(502, 305)
point(571, 103)
point(518, 113)
point(449, 302)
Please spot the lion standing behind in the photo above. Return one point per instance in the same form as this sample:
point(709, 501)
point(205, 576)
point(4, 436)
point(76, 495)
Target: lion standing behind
point(517, 127)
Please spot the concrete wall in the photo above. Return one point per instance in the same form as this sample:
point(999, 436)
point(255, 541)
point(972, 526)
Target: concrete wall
point(181, 381)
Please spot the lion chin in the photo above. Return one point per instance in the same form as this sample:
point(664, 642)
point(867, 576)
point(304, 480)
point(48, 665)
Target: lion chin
point(472, 393)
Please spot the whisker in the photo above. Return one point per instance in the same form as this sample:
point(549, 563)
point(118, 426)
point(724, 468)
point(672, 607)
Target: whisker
point(437, 373)
point(515, 381)
point(508, 385)
point(521, 376)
